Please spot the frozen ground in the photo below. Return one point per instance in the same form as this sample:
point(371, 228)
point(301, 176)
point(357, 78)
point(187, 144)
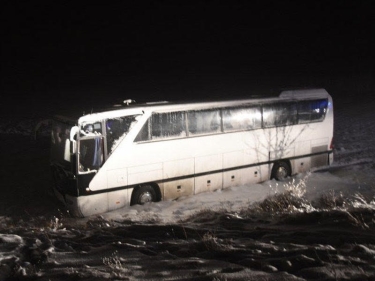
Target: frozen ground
point(317, 226)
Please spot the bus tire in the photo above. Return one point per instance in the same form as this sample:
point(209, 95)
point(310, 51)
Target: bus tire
point(144, 194)
point(280, 171)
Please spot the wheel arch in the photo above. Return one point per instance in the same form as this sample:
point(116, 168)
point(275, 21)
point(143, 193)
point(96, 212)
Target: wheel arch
point(277, 162)
point(154, 185)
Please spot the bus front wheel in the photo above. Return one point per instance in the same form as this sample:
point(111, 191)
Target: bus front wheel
point(280, 171)
point(144, 194)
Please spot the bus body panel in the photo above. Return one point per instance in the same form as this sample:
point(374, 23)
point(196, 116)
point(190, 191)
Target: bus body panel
point(205, 157)
point(192, 164)
point(118, 199)
point(115, 178)
point(178, 168)
point(145, 173)
point(84, 206)
point(177, 188)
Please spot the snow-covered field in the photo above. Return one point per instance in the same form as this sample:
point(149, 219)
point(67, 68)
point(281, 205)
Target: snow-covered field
point(317, 226)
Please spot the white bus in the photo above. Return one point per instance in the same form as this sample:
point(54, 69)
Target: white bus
point(160, 151)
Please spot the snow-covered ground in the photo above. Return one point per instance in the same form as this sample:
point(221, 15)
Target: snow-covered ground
point(317, 226)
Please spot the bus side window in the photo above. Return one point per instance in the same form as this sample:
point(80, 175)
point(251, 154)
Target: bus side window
point(269, 115)
point(117, 128)
point(236, 119)
point(319, 109)
point(167, 125)
point(204, 122)
point(311, 111)
point(286, 114)
point(143, 134)
point(280, 114)
point(304, 112)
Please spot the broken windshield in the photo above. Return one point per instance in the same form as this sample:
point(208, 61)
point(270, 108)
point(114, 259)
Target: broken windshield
point(91, 129)
point(92, 143)
point(117, 129)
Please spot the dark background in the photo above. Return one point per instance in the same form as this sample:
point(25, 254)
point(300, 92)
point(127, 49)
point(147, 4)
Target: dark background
point(61, 53)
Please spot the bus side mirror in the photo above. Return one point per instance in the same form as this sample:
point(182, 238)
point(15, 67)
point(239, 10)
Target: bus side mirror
point(73, 133)
point(73, 147)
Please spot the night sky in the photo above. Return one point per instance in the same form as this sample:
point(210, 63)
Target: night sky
point(155, 50)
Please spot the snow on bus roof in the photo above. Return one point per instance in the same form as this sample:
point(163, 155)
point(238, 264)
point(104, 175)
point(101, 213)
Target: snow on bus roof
point(304, 93)
point(164, 106)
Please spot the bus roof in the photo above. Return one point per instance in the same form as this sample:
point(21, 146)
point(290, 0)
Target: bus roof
point(164, 106)
point(304, 94)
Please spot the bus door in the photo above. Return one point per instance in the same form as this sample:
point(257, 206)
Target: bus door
point(90, 156)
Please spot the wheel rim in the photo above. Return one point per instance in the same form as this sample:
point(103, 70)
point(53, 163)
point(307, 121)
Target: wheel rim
point(281, 173)
point(145, 197)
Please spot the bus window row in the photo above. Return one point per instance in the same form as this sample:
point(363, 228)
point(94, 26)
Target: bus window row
point(213, 121)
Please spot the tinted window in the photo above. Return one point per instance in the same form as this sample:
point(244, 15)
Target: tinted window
point(312, 111)
point(279, 114)
point(204, 122)
point(235, 119)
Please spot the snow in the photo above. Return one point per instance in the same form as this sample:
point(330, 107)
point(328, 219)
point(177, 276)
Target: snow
point(316, 226)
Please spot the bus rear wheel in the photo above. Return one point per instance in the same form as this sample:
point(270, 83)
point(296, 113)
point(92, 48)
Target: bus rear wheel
point(144, 194)
point(280, 171)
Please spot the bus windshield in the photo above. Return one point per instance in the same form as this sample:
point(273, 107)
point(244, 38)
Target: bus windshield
point(93, 140)
point(117, 129)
